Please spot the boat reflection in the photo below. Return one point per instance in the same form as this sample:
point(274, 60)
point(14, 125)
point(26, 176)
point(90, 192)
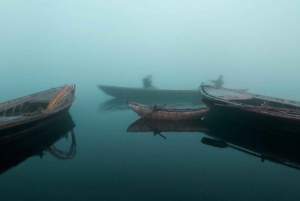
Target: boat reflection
point(224, 133)
point(159, 126)
point(19, 145)
point(115, 104)
point(266, 145)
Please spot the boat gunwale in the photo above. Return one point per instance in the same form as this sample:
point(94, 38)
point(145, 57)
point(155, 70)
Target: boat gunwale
point(28, 97)
point(256, 96)
point(276, 112)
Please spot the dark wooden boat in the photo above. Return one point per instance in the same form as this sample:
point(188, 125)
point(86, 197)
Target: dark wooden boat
point(274, 114)
point(163, 113)
point(35, 108)
point(35, 141)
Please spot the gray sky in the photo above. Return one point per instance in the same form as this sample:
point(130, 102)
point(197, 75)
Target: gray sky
point(254, 44)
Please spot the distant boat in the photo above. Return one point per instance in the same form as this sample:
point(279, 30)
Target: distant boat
point(154, 95)
point(131, 94)
point(274, 114)
point(28, 111)
point(164, 113)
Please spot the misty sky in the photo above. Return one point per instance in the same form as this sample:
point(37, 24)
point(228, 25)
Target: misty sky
point(254, 44)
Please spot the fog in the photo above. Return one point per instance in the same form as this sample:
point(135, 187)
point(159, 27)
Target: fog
point(253, 44)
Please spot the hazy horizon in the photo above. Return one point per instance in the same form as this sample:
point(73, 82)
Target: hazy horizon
point(44, 44)
point(253, 44)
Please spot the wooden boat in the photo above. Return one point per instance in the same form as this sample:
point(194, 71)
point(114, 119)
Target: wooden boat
point(133, 94)
point(274, 114)
point(35, 140)
point(35, 108)
point(162, 113)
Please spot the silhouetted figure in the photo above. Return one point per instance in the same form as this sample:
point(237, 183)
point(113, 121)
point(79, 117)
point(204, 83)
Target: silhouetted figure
point(147, 81)
point(219, 82)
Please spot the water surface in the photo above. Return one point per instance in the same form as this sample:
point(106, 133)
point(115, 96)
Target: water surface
point(112, 163)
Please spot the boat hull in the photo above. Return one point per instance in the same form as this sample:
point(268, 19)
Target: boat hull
point(39, 122)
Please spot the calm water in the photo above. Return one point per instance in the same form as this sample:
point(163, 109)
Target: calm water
point(254, 44)
point(113, 164)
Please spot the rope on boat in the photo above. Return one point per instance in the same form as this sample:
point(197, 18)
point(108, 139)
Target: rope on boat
point(155, 108)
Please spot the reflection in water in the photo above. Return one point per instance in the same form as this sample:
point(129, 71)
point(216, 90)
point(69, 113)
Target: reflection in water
point(64, 155)
point(115, 104)
point(158, 126)
point(223, 133)
point(36, 142)
point(263, 144)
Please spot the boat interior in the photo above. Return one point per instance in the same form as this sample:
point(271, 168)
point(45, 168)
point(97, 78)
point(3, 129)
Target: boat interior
point(27, 108)
point(252, 99)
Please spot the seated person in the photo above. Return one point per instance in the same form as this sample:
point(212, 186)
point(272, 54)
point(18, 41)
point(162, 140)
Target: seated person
point(219, 82)
point(147, 81)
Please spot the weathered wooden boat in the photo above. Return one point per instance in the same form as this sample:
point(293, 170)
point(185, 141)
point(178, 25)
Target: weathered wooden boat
point(35, 140)
point(160, 112)
point(274, 114)
point(31, 110)
point(261, 143)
